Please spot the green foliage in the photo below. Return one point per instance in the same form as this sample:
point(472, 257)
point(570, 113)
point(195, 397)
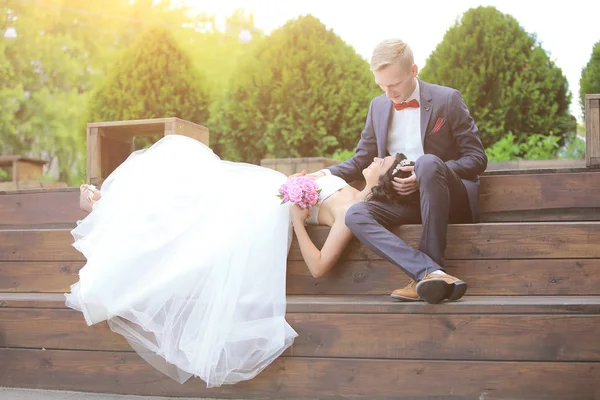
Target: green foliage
point(508, 81)
point(218, 53)
point(55, 54)
point(590, 76)
point(504, 149)
point(532, 147)
point(300, 92)
point(153, 79)
point(343, 154)
point(42, 79)
point(574, 147)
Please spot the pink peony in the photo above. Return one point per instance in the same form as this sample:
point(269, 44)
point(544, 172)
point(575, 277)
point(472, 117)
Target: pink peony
point(295, 193)
point(300, 190)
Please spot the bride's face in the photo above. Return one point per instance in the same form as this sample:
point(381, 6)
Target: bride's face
point(378, 167)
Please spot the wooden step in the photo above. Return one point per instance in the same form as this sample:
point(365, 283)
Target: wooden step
point(42, 208)
point(534, 277)
point(540, 197)
point(491, 241)
point(545, 258)
point(507, 347)
point(506, 197)
point(485, 277)
point(301, 378)
point(376, 304)
point(484, 241)
point(489, 329)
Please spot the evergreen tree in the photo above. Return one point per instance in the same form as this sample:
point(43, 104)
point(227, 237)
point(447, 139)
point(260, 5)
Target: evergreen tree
point(153, 79)
point(300, 92)
point(508, 81)
point(590, 76)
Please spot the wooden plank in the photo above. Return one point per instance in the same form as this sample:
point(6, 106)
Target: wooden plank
point(543, 215)
point(433, 337)
point(539, 191)
point(378, 304)
point(534, 164)
point(484, 277)
point(295, 378)
point(504, 198)
point(49, 209)
point(113, 152)
point(8, 186)
point(93, 150)
point(467, 305)
point(592, 130)
point(56, 329)
point(41, 190)
point(38, 245)
point(50, 276)
point(29, 184)
point(490, 241)
point(447, 337)
point(32, 300)
point(470, 241)
point(28, 170)
point(7, 160)
point(187, 128)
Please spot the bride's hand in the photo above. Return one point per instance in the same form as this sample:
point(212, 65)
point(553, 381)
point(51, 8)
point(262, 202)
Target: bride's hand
point(298, 174)
point(298, 215)
point(312, 175)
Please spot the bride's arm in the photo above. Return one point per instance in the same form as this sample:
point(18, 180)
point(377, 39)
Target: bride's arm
point(320, 262)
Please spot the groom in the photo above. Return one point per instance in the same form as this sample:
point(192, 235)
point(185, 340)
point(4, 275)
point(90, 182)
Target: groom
point(432, 126)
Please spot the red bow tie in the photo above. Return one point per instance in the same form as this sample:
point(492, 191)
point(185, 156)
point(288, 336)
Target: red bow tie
point(411, 104)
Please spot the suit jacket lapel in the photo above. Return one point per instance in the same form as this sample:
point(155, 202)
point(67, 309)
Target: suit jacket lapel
point(385, 128)
point(426, 108)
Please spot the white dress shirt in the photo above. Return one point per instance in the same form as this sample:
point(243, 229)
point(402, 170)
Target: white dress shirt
point(404, 135)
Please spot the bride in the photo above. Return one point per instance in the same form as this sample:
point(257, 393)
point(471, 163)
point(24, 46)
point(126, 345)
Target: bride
point(186, 257)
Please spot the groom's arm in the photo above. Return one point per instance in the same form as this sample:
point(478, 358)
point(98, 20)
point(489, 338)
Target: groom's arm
point(473, 160)
point(351, 170)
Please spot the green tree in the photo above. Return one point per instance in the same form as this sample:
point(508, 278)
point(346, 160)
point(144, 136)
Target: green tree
point(52, 54)
point(508, 81)
point(42, 78)
point(590, 76)
point(218, 53)
point(155, 78)
point(302, 91)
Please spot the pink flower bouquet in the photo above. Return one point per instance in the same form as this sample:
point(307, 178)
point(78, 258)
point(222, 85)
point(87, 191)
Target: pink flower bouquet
point(301, 191)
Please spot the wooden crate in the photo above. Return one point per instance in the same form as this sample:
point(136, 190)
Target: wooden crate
point(110, 143)
point(592, 130)
point(23, 168)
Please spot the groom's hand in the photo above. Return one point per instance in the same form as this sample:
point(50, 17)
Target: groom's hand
point(406, 186)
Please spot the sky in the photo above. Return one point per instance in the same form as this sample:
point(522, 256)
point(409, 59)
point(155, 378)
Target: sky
point(566, 29)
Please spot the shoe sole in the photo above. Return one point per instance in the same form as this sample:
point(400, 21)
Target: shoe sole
point(405, 299)
point(434, 291)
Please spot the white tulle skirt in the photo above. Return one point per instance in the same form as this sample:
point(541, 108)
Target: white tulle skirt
point(186, 258)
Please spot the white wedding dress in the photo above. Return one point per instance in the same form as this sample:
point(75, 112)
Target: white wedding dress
point(186, 258)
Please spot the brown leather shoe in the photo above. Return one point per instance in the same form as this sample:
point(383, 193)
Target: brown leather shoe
point(407, 293)
point(435, 288)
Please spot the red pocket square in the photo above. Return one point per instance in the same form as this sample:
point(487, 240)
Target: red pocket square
point(438, 125)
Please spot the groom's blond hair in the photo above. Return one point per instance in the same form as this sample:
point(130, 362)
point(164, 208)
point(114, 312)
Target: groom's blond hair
point(392, 51)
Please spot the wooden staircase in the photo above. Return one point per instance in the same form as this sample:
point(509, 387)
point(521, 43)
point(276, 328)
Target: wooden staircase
point(529, 327)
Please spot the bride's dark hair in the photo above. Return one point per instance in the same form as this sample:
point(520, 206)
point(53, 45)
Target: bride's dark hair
point(384, 191)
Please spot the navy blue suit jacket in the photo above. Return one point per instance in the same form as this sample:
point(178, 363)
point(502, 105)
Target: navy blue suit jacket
point(457, 142)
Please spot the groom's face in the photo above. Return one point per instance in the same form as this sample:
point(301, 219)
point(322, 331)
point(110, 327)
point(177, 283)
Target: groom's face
point(396, 81)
